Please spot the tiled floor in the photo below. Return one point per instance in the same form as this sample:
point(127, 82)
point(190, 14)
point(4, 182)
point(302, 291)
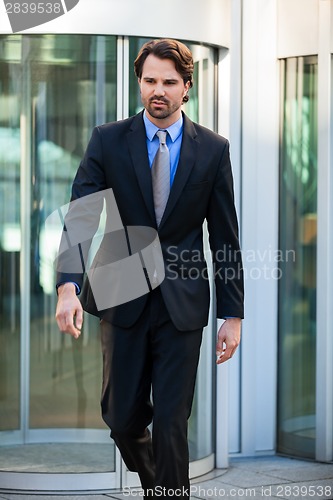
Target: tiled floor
point(58, 457)
point(255, 478)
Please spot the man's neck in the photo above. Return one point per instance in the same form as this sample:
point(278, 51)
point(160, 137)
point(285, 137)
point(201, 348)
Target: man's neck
point(164, 123)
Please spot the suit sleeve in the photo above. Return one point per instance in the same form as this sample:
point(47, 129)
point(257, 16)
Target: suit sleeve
point(224, 242)
point(82, 220)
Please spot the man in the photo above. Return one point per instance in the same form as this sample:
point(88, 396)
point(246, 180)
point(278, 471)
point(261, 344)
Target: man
point(152, 343)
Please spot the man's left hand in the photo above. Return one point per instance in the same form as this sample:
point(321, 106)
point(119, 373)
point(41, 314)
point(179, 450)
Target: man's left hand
point(228, 339)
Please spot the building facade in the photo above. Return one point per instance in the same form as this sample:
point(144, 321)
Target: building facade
point(263, 78)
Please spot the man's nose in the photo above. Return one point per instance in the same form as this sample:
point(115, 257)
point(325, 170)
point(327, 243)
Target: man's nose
point(159, 90)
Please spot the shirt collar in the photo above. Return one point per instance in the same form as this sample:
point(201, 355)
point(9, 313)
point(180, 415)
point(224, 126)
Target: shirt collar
point(174, 130)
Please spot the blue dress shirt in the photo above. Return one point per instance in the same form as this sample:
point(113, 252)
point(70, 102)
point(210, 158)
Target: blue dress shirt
point(173, 141)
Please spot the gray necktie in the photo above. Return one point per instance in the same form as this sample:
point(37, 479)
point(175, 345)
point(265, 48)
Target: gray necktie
point(161, 176)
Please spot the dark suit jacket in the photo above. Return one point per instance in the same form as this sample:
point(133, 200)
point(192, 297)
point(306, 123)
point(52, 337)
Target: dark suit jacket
point(117, 158)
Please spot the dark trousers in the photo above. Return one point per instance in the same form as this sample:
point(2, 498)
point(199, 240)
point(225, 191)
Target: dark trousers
point(151, 360)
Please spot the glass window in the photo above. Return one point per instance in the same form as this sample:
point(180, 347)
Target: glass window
point(10, 234)
point(298, 239)
point(135, 105)
point(54, 89)
point(73, 87)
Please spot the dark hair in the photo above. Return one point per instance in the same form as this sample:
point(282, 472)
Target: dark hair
point(166, 48)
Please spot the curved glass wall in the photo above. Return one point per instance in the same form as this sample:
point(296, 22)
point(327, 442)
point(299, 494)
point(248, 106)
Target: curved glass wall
point(298, 241)
point(10, 243)
point(73, 87)
point(54, 89)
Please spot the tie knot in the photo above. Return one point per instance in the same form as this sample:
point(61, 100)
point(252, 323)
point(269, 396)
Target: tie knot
point(161, 134)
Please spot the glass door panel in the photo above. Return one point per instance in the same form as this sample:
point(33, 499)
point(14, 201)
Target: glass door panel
point(69, 84)
point(298, 239)
point(10, 235)
point(73, 82)
point(73, 87)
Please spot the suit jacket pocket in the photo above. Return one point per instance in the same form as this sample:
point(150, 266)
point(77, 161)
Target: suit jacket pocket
point(196, 185)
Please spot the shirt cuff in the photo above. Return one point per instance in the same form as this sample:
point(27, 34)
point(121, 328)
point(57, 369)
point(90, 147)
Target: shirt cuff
point(78, 289)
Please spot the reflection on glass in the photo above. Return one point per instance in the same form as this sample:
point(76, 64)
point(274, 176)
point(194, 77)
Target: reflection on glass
point(200, 108)
point(53, 90)
point(73, 87)
point(10, 238)
point(298, 238)
point(135, 104)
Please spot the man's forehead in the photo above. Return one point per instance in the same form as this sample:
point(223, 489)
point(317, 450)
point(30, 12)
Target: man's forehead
point(155, 66)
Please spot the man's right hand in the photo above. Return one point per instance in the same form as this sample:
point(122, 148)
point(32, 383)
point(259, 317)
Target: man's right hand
point(69, 313)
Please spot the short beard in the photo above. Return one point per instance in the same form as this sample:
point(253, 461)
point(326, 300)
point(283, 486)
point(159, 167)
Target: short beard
point(162, 113)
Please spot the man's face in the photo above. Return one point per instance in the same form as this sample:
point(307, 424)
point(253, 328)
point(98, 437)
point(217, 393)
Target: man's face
point(162, 90)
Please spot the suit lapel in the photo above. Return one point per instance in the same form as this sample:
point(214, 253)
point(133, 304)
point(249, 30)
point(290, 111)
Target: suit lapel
point(187, 159)
point(136, 139)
